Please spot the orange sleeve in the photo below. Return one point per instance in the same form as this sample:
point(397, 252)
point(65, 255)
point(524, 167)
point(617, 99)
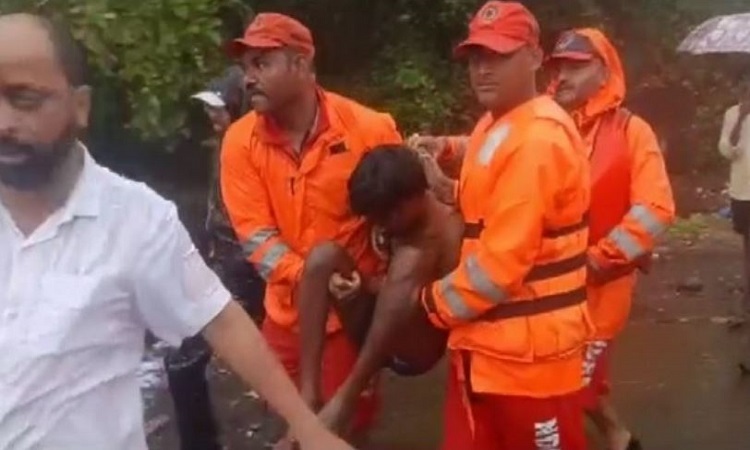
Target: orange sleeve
point(510, 242)
point(652, 209)
point(246, 199)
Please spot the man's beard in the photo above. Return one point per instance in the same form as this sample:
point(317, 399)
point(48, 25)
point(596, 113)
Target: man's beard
point(41, 163)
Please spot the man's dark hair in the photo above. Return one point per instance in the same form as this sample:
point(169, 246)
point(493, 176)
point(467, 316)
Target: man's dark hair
point(69, 52)
point(385, 177)
point(231, 88)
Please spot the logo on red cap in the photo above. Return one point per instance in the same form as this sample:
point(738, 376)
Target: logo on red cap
point(489, 13)
point(565, 40)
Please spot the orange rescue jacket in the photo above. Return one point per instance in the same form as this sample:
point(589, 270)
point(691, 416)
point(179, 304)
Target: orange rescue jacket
point(282, 204)
point(631, 198)
point(516, 303)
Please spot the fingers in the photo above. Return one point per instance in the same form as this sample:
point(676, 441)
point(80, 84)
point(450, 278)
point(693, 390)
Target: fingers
point(429, 145)
point(342, 287)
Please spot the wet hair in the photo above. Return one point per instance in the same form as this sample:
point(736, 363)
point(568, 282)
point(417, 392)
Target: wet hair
point(384, 178)
point(69, 52)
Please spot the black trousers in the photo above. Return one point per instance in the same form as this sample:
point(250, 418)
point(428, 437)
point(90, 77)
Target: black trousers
point(186, 366)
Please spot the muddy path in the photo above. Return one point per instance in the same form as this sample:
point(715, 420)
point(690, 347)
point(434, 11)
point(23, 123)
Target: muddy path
point(675, 370)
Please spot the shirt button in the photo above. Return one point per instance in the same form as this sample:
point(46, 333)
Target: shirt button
point(10, 314)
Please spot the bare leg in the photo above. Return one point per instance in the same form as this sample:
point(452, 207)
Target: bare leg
point(742, 306)
point(313, 302)
point(608, 422)
point(743, 309)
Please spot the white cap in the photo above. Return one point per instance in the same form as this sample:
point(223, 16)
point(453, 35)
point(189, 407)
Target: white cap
point(210, 98)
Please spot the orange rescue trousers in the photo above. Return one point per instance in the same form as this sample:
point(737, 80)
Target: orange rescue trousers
point(339, 356)
point(510, 422)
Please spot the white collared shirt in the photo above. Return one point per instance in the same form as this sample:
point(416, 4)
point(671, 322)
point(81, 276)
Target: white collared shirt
point(739, 155)
point(76, 298)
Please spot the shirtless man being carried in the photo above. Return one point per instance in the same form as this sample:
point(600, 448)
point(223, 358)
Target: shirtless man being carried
point(388, 188)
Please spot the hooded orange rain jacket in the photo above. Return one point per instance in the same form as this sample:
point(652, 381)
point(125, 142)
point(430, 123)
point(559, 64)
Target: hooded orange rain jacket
point(631, 198)
point(516, 304)
point(282, 204)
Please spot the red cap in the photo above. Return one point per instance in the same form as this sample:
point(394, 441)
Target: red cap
point(574, 46)
point(502, 27)
point(273, 30)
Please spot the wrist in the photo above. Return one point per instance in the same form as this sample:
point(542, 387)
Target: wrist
point(447, 189)
point(349, 393)
point(305, 425)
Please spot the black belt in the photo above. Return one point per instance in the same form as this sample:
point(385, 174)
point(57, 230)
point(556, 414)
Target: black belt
point(540, 305)
point(472, 230)
point(557, 268)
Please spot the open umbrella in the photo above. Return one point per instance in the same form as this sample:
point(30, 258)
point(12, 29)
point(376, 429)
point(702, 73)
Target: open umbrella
point(722, 34)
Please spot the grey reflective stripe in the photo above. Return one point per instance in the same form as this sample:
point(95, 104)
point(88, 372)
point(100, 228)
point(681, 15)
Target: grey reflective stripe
point(480, 283)
point(271, 259)
point(625, 242)
point(453, 300)
point(647, 220)
point(492, 143)
point(255, 240)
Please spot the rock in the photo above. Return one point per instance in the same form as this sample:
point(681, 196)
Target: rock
point(690, 285)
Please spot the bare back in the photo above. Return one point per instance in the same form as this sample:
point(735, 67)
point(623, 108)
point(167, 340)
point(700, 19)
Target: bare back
point(437, 246)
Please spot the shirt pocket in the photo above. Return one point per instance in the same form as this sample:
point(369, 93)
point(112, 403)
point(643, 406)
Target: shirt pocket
point(61, 318)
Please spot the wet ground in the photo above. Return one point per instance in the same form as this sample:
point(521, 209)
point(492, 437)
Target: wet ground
point(676, 378)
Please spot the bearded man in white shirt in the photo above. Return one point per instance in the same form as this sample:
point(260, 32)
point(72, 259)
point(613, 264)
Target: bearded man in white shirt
point(89, 261)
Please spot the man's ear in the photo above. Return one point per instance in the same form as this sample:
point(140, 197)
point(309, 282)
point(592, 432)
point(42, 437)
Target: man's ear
point(82, 106)
point(536, 56)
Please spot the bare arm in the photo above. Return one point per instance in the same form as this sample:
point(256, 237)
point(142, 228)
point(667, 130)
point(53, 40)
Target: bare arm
point(313, 303)
point(734, 136)
point(731, 133)
point(236, 339)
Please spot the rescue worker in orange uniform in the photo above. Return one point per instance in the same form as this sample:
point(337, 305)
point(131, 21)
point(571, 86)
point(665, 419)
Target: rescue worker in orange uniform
point(516, 304)
point(631, 202)
point(284, 173)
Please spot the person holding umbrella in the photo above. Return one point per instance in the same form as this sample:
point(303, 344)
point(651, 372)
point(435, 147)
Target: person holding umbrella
point(727, 35)
point(734, 144)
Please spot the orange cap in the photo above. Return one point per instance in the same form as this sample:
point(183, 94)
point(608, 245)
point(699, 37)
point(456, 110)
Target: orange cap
point(502, 27)
point(273, 30)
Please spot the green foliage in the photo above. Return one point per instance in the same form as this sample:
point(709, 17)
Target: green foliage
point(150, 54)
point(416, 86)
